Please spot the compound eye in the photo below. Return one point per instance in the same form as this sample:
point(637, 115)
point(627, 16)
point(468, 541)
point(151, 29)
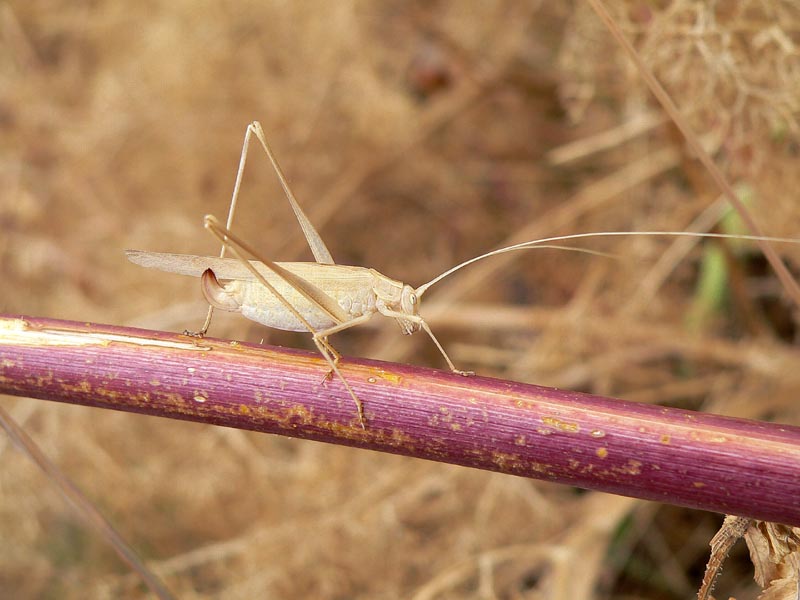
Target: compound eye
point(412, 298)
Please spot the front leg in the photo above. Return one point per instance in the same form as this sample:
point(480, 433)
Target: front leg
point(384, 310)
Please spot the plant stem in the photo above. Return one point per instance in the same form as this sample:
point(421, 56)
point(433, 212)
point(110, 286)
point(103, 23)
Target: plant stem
point(710, 462)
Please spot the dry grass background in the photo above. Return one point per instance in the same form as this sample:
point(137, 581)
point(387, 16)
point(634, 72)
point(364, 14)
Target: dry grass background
point(415, 135)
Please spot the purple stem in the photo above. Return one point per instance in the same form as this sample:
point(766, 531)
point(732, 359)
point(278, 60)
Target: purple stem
point(722, 464)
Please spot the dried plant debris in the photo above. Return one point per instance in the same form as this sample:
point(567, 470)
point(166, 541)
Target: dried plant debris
point(774, 550)
point(415, 135)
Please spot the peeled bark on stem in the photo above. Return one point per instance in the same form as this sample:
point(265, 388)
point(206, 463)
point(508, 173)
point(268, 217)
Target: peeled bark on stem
point(698, 460)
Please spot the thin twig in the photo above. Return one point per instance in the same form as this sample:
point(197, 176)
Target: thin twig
point(84, 507)
point(785, 277)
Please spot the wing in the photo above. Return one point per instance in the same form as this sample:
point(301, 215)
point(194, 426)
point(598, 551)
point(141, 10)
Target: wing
point(231, 268)
point(336, 279)
point(190, 264)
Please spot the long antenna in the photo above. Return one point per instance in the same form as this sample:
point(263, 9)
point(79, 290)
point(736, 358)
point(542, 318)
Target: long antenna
point(548, 243)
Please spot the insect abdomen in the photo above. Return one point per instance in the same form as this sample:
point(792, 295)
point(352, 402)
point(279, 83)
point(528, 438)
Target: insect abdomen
point(260, 305)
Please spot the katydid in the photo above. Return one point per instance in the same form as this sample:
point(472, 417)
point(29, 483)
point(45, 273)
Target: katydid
point(322, 297)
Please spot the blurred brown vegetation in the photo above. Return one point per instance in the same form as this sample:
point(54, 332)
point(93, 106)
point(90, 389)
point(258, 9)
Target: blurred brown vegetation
point(415, 135)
